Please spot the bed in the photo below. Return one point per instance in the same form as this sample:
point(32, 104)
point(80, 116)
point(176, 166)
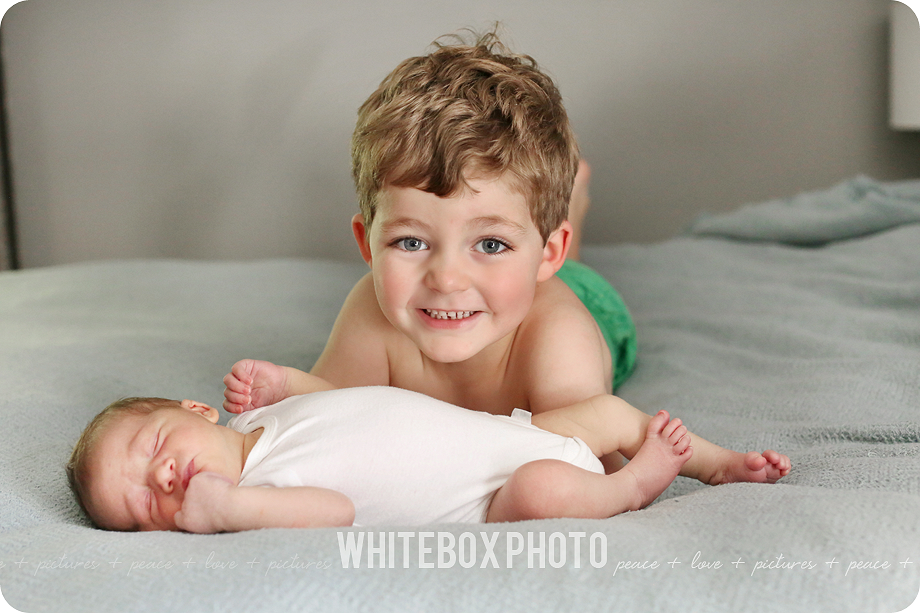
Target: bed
point(792, 324)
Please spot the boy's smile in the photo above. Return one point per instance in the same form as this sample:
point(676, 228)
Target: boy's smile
point(450, 318)
point(457, 274)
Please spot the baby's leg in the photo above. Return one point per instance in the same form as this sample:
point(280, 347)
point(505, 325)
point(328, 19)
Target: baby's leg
point(727, 466)
point(608, 423)
point(553, 488)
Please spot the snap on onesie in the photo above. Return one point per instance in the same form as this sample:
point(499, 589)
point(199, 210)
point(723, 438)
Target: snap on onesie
point(400, 456)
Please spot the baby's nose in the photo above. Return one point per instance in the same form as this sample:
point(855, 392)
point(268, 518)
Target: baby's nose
point(165, 475)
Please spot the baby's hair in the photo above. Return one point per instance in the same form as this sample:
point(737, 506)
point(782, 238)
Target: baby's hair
point(76, 465)
point(467, 111)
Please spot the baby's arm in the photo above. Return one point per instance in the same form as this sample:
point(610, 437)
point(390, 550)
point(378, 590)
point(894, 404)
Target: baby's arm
point(213, 504)
point(252, 384)
point(608, 423)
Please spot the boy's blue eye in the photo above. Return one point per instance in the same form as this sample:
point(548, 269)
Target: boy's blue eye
point(491, 246)
point(411, 244)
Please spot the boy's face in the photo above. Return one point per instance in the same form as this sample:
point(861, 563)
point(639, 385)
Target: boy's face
point(457, 274)
point(138, 470)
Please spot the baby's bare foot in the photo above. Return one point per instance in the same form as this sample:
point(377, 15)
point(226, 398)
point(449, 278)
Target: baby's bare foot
point(752, 467)
point(778, 465)
point(665, 450)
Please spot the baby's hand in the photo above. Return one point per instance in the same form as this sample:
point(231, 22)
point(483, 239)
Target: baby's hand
point(205, 499)
point(252, 384)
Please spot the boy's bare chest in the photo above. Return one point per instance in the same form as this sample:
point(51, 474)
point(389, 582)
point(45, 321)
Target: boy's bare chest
point(494, 402)
point(488, 390)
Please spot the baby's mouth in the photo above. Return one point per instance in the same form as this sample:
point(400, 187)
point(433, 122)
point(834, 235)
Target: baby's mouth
point(188, 474)
point(435, 314)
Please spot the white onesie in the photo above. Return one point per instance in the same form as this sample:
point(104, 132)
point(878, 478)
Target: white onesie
point(400, 456)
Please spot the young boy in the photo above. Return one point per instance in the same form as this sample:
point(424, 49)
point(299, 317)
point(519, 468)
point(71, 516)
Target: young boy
point(464, 163)
point(155, 464)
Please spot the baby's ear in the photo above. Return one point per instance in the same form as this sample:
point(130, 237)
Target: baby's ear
point(208, 412)
point(555, 251)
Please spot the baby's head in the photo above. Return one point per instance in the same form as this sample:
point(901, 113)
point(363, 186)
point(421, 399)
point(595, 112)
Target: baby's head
point(467, 112)
point(132, 464)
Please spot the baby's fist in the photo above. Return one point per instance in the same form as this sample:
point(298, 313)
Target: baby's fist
point(205, 499)
point(253, 384)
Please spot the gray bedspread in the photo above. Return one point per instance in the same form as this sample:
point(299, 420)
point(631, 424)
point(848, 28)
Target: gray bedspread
point(792, 325)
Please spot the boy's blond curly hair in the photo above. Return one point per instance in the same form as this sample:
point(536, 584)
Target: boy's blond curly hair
point(467, 111)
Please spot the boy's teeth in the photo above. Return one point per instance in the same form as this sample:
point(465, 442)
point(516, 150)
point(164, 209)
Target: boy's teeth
point(448, 314)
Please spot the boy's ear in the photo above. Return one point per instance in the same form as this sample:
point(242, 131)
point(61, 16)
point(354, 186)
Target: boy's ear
point(361, 236)
point(209, 413)
point(555, 251)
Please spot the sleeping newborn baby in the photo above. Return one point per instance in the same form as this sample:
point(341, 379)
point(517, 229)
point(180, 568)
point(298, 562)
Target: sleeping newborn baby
point(376, 455)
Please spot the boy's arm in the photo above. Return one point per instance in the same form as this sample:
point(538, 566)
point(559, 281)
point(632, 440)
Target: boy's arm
point(214, 504)
point(355, 356)
point(356, 352)
point(567, 359)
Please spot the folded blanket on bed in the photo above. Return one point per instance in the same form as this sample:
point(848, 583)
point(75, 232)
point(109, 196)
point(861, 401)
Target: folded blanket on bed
point(853, 208)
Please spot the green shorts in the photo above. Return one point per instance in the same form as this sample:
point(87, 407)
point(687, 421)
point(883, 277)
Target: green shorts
point(610, 313)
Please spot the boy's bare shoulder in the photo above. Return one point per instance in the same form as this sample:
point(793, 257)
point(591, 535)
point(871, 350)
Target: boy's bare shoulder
point(563, 355)
point(362, 299)
point(356, 353)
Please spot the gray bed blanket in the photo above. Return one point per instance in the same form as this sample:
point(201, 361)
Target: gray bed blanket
point(792, 325)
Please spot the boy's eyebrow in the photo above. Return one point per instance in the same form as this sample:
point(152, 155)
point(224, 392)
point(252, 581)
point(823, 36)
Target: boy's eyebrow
point(493, 221)
point(486, 222)
point(399, 223)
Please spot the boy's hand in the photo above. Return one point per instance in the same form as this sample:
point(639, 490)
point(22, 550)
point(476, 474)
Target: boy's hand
point(206, 498)
point(252, 384)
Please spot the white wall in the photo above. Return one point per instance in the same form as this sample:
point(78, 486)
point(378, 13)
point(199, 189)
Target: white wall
point(220, 128)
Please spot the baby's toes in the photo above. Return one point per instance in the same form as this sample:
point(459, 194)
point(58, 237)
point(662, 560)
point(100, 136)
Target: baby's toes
point(658, 424)
point(754, 461)
point(682, 444)
point(671, 428)
point(776, 459)
point(780, 465)
point(677, 434)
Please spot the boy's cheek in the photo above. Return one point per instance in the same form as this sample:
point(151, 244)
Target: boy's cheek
point(394, 279)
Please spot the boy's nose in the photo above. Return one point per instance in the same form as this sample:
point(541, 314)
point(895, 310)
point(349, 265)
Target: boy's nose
point(164, 475)
point(447, 276)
